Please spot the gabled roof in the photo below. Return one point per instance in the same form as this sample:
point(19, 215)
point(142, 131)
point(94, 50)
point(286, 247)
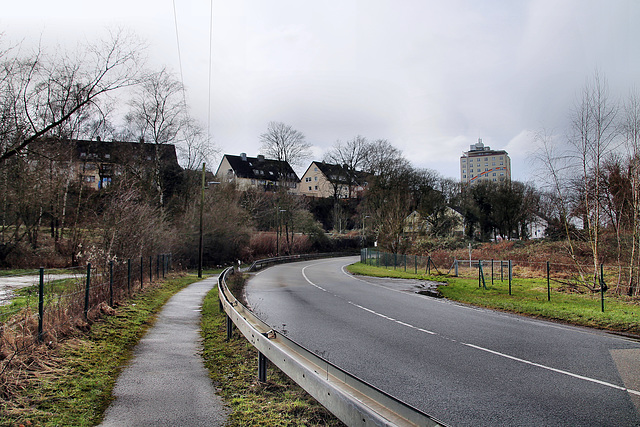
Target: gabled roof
point(338, 173)
point(118, 152)
point(261, 168)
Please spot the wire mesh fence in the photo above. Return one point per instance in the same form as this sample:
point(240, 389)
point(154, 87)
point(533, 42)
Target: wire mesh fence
point(556, 277)
point(41, 305)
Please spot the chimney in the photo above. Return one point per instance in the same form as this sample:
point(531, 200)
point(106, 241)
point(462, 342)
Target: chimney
point(260, 158)
point(243, 156)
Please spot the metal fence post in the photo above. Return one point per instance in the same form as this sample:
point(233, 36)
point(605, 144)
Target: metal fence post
point(141, 271)
point(603, 286)
point(158, 266)
point(86, 291)
point(41, 305)
point(548, 282)
point(129, 275)
point(510, 276)
point(491, 272)
point(110, 283)
point(150, 269)
point(455, 266)
point(415, 263)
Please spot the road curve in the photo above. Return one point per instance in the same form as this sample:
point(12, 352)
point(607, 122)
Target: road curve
point(462, 365)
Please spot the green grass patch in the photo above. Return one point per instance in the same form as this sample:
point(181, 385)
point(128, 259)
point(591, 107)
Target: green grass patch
point(233, 366)
point(74, 383)
point(528, 297)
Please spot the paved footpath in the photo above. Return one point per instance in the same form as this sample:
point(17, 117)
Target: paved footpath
point(166, 383)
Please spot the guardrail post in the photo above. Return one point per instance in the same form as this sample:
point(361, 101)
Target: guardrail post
point(86, 291)
point(229, 328)
point(262, 368)
point(41, 305)
point(110, 283)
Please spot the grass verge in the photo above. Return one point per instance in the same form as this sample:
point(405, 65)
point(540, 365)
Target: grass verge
point(233, 367)
point(71, 385)
point(529, 297)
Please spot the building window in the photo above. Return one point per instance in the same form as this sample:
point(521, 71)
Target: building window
point(309, 188)
point(316, 188)
point(90, 178)
point(501, 163)
point(464, 176)
point(315, 178)
point(494, 174)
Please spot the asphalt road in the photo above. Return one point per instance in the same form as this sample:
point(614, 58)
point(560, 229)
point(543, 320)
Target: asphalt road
point(462, 365)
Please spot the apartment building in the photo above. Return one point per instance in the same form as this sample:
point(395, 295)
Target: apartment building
point(482, 164)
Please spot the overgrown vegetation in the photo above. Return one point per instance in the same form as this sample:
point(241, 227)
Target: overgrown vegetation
point(233, 366)
point(529, 297)
point(71, 383)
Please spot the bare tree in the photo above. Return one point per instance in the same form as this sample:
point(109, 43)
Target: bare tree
point(631, 132)
point(383, 156)
point(594, 133)
point(282, 142)
point(350, 156)
point(158, 116)
point(43, 92)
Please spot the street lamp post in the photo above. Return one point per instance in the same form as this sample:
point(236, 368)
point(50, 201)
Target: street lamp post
point(278, 230)
point(363, 234)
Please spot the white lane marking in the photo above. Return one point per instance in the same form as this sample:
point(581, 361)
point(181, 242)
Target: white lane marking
point(496, 353)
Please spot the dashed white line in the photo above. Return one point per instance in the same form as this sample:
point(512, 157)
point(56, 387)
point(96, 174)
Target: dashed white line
point(487, 350)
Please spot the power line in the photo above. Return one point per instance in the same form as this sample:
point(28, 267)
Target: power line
point(210, 66)
point(175, 21)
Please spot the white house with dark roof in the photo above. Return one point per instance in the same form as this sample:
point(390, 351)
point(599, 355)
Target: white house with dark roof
point(257, 173)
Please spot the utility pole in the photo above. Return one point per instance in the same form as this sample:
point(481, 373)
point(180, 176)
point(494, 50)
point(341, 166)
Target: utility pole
point(200, 248)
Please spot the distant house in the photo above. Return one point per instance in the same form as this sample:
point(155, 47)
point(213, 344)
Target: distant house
point(327, 180)
point(97, 163)
point(416, 224)
point(257, 173)
point(536, 228)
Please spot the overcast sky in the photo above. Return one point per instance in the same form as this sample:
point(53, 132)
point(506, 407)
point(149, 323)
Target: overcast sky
point(429, 76)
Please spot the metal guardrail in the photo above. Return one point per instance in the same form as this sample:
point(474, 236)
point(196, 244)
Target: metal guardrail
point(267, 262)
point(352, 400)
